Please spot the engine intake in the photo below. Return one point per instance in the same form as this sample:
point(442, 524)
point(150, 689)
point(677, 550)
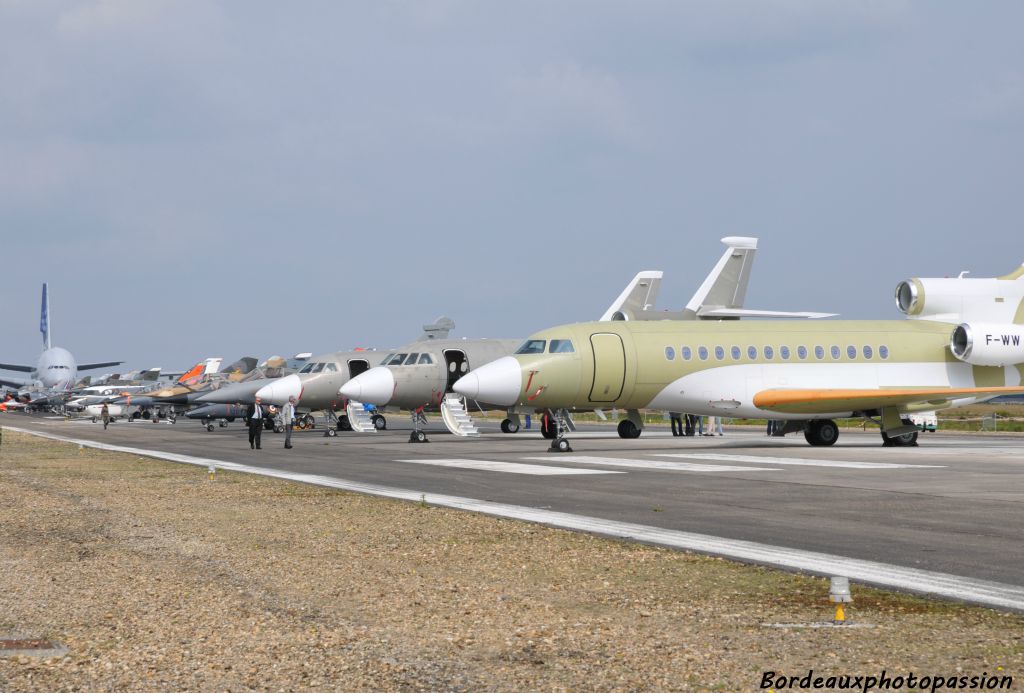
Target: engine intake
point(988, 344)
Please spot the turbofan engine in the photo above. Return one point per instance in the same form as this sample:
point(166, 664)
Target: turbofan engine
point(992, 300)
point(988, 344)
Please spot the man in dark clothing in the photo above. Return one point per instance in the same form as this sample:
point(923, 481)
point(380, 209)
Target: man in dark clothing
point(254, 420)
point(677, 423)
point(691, 423)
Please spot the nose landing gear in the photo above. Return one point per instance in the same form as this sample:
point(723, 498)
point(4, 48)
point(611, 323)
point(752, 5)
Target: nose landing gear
point(559, 423)
point(418, 419)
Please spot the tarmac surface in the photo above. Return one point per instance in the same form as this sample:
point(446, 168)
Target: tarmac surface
point(954, 505)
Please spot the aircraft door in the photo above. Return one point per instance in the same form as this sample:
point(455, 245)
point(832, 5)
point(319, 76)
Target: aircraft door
point(458, 366)
point(609, 367)
point(357, 366)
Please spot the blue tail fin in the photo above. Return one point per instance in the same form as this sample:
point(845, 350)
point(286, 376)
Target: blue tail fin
point(44, 319)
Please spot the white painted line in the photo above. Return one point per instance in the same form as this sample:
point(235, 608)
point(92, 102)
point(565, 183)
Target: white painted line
point(996, 594)
point(510, 467)
point(654, 464)
point(796, 461)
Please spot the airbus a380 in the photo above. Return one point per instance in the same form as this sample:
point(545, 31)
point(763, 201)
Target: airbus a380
point(56, 369)
point(963, 342)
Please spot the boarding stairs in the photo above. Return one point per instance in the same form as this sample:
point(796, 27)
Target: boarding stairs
point(456, 418)
point(360, 419)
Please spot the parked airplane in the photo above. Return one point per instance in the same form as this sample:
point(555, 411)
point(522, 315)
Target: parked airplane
point(56, 370)
point(421, 377)
point(316, 385)
point(962, 344)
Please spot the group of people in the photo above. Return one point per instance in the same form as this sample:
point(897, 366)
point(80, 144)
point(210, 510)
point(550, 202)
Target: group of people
point(254, 420)
point(694, 425)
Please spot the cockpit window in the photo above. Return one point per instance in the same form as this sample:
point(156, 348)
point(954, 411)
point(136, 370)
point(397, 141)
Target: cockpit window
point(395, 359)
point(411, 361)
point(561, 346)
point(425, 358)
point(532, 346)
point(330, 368)
point(318, 367)
point(308, 368)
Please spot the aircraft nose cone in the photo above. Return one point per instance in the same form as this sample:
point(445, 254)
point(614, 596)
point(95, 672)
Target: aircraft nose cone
point(375, 386)
point(278, 391)
point(497, 382)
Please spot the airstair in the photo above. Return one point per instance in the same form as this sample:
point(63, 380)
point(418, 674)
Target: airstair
point(359, 418)
point(456, 418)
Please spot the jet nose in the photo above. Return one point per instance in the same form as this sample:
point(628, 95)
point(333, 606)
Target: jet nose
point(497, 382)
point(278, 391)
point(375, 386)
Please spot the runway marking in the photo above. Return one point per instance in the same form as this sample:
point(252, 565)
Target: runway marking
point(654, 464)
point(510, 467)
point(998, 594)
point(796, 461)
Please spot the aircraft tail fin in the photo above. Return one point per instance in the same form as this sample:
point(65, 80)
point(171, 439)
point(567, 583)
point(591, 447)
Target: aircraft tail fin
point(439, 330)
point(44, 318)
point(638, 296)
point(194, 374)
point(726, 286)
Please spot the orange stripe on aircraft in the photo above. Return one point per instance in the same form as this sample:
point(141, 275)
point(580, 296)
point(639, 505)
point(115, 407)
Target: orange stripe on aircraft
point(766, 399)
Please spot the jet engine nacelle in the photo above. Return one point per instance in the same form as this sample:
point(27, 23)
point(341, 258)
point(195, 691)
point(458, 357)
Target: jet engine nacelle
point(988, 344)
point(962, 298)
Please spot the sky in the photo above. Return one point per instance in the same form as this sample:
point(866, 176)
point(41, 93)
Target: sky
point(211, 178)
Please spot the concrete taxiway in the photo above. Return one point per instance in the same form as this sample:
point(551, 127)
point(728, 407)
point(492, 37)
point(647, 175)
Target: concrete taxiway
point(952, 508)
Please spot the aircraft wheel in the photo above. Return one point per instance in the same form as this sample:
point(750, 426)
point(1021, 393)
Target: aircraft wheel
point(418, 437)
point(381, 424)
point(173, 419)
point(508, 427)
point(278, 429)
point(907, 440)
point(331, 432)
point(628, 429)
point(209, 427)
point(821, 432)
point(561, 445)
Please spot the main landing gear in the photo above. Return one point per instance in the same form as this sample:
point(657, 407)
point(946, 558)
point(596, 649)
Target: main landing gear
point(905, 440)
point(821, 432)
point(511, 424)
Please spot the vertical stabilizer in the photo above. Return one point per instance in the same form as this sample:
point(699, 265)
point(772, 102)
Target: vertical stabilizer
point(726, 286)
point(639, 295)
point(44, 318)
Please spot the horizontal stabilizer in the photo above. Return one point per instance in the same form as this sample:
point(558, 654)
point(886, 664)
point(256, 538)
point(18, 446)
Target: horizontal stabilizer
point(750, 313)
point(93, 366)
point(827, 401)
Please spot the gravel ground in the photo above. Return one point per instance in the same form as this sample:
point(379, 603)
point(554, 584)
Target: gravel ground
point(158, 579)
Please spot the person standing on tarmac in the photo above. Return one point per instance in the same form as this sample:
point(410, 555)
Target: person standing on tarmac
point(105, 415)
point(254, 420)
point(288, 415)
point(677, 423)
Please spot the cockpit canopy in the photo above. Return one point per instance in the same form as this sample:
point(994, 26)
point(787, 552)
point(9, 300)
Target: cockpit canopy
point(538, 346)
point(407, 359)
point(319, 367)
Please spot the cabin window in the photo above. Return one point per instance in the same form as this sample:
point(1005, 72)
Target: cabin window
point(426, 359)
point(769, 353)
point(868, 351)
point(883, 351)
point(702, 352)
point(561, 346)
point(784, 352)
point(834, 350)
point(670, 353)
point(686, 352)
point(752, 353)
point(819, 352)
point(532, 346)
point(801, 351)
point(736, 353)
point(719, 353)
point(851, 352)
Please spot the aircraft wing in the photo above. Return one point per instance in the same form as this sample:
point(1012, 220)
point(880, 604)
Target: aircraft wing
point(93, 366)
point(15, 382)
point(16, 367)
point(824, 401)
